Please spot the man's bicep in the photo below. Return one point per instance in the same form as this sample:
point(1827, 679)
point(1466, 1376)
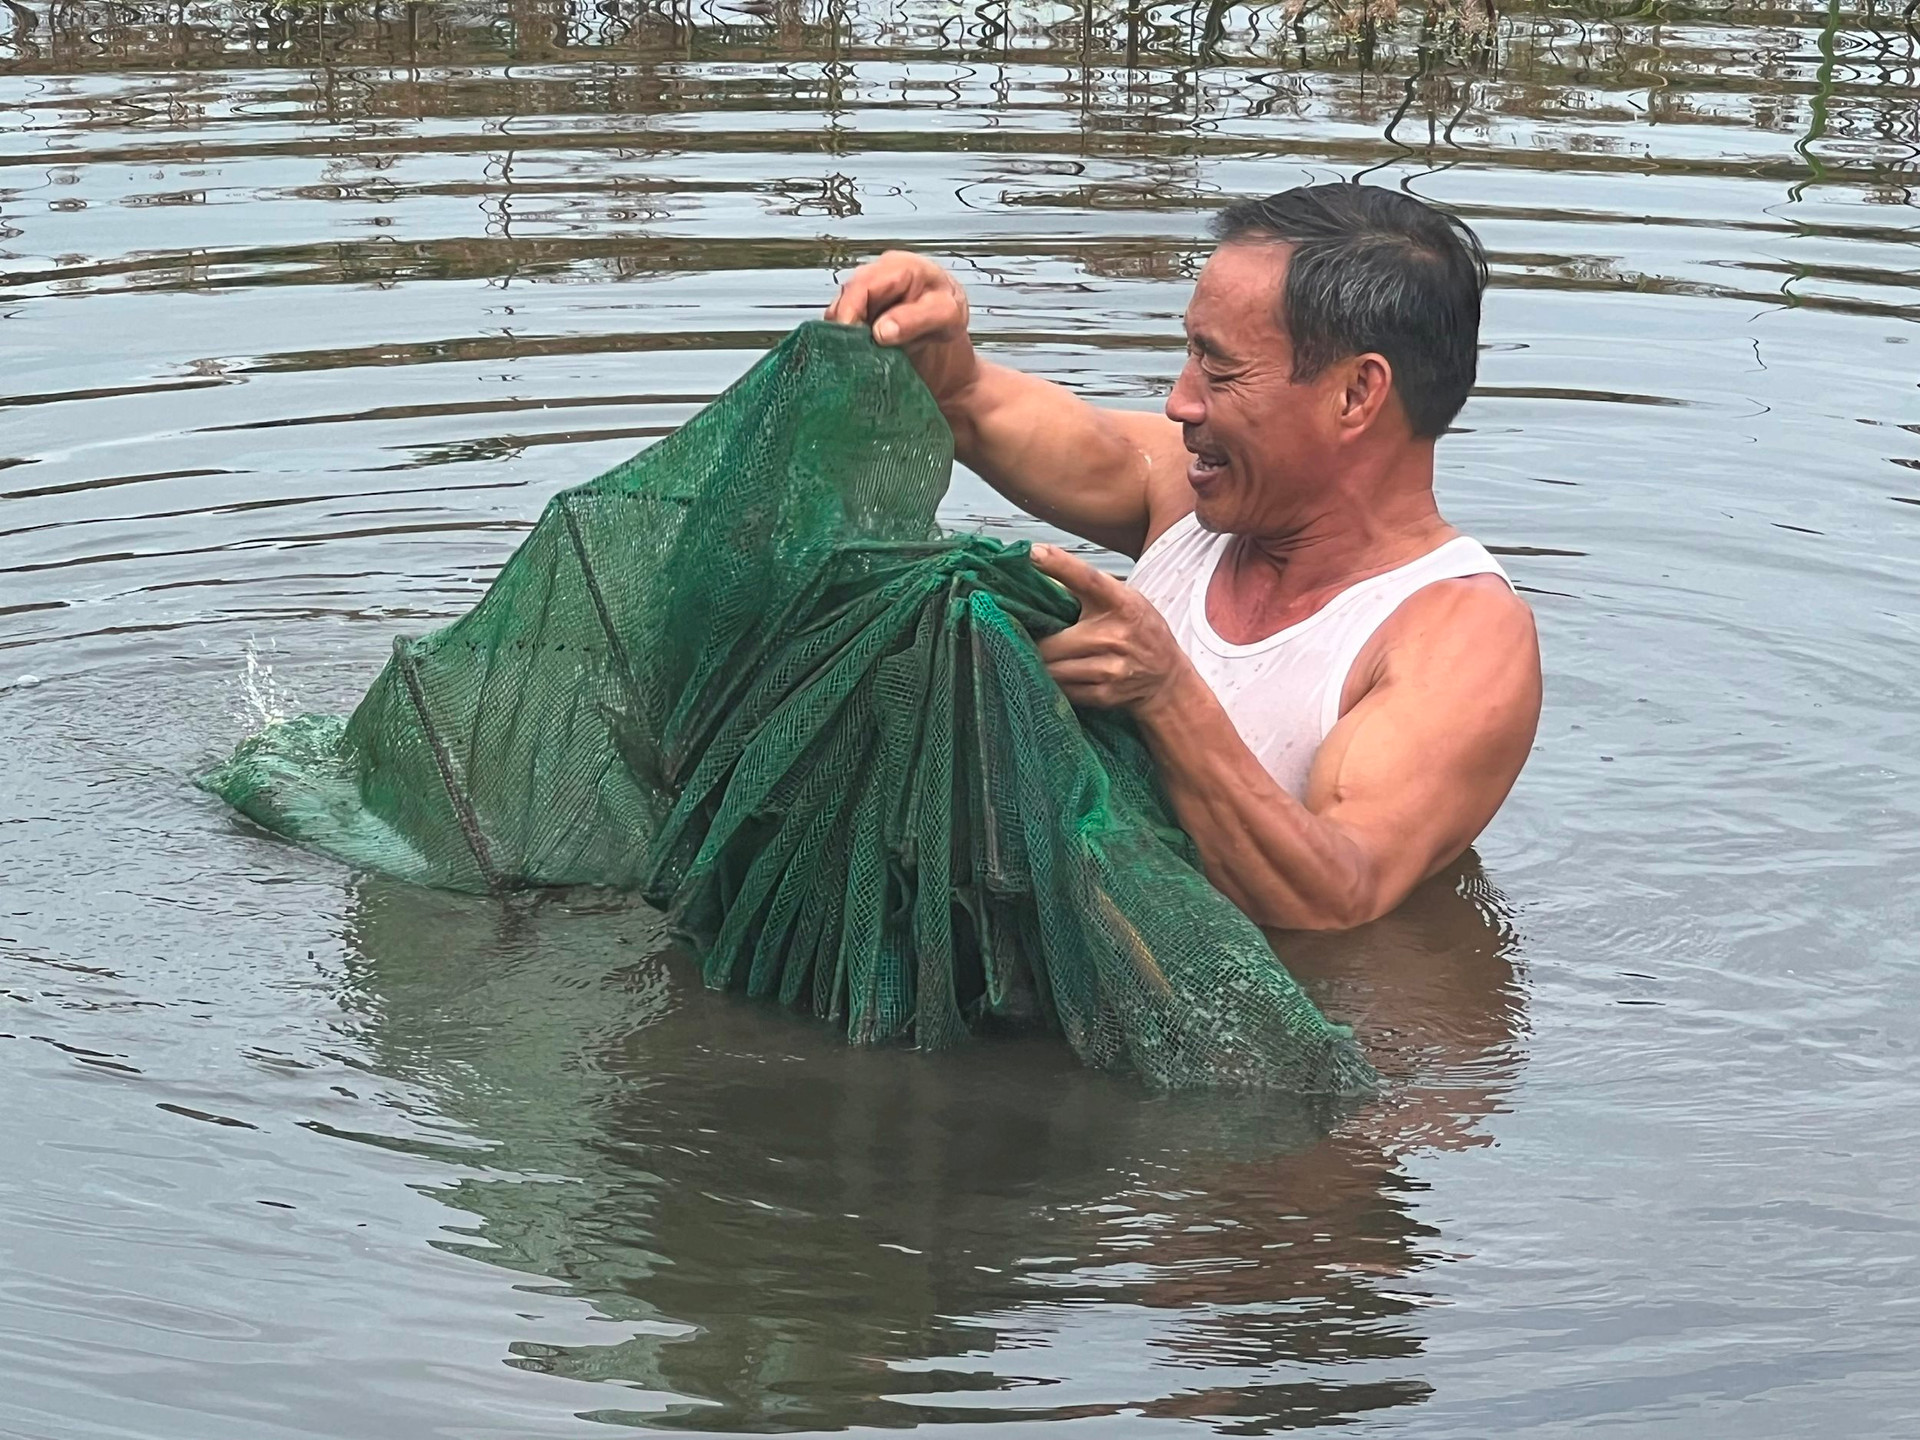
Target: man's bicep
point(1091, 471)
point(1124, 479)
point(1420, 764)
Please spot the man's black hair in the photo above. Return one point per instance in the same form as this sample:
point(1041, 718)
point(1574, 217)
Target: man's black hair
point(1375, 271)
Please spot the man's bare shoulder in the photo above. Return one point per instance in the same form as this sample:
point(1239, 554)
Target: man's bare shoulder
point(1469, 602)
point(1443, 721)
point(1472, 636)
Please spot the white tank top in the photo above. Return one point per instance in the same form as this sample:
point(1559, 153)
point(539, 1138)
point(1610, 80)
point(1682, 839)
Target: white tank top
point(1283, 693)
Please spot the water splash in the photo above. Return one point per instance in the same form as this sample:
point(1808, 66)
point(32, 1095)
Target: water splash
point(264, 701)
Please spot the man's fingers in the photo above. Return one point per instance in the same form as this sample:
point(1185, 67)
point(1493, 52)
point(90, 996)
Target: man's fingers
point(849, 307)
point(1085, 681)
point(922, 315)
point(1081, 672)
point(868, 292)
point(1093, 587)
point(1068, 644)
point(875, 288)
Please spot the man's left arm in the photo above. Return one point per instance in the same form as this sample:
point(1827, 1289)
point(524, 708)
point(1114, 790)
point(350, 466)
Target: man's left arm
point(1402, 784)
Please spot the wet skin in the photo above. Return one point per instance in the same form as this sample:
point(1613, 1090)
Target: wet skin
point(1322, 483)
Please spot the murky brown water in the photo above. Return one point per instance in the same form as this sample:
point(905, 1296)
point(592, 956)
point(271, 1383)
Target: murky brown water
point(304, 312)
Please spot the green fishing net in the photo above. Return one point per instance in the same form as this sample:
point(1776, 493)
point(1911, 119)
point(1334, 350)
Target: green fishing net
point(744, 675)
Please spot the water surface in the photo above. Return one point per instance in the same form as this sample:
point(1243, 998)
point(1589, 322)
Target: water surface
point(306, 311)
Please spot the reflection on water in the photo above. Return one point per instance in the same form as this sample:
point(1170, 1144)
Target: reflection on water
point(810, 1236)
point(308, 308)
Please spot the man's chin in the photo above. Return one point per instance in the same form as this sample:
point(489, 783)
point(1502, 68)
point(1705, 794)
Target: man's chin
point(1210, 515)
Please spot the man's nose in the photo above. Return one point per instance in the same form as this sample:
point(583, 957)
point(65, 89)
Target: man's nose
point(1185, 405)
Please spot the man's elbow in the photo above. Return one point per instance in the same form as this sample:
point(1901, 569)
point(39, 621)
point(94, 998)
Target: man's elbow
point(1338, 909)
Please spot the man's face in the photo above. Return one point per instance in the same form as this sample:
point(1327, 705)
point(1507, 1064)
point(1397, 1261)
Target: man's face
point(1265, 450)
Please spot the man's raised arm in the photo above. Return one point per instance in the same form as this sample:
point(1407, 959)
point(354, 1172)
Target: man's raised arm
point(1114, 477)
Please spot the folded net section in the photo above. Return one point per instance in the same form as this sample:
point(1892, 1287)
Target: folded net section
point(742, 674)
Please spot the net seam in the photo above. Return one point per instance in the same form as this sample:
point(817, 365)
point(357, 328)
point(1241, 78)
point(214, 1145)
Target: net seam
point(462, 810)
point(614, 646)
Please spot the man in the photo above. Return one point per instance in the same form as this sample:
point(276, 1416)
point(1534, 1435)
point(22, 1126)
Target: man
point(1340, 688)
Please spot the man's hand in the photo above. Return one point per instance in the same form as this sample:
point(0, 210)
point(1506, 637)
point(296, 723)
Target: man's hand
point(1120, 653)
point(911, 302)
point(1118, 477)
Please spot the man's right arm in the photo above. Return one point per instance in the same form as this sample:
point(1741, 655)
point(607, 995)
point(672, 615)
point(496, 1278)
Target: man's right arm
point(1115, 477)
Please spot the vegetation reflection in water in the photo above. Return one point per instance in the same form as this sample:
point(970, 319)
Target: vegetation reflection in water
point(817, 1236)
point(574, 109)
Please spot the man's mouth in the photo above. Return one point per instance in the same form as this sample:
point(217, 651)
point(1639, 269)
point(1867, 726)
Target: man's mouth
point(1205, 466)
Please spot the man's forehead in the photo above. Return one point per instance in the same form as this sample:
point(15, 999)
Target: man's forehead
point(1236, 296)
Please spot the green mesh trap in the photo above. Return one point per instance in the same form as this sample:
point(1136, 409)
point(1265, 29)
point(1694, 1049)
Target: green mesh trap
point(744, 675)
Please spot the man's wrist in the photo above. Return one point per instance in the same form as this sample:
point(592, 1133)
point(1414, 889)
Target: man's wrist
point(1170, 702)
point(958, 393)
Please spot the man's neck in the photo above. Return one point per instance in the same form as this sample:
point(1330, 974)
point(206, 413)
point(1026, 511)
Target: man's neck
point(1268, 581)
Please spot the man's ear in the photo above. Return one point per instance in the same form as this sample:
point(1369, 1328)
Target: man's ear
point(1369, 381)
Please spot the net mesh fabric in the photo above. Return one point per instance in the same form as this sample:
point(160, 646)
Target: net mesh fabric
point(743, 674)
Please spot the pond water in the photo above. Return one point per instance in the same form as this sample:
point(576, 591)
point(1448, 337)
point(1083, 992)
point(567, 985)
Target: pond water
point(305, 311)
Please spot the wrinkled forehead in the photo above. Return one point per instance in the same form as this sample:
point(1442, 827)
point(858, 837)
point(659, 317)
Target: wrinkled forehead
point(1236, 300)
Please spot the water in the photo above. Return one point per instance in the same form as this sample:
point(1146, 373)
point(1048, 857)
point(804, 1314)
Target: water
point(305, 312)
